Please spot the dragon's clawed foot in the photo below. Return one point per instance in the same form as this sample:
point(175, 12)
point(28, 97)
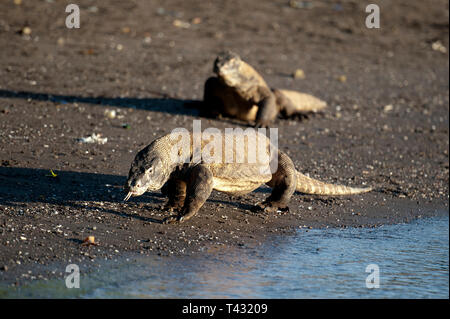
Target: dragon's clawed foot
point(171, 207)
point(170, 220)
point(174, 219)
point(270, 207)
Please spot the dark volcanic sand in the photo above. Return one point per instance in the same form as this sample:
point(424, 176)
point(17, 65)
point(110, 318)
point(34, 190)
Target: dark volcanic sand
point(56, 83)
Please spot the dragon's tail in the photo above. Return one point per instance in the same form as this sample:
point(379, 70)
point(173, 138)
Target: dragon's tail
point(309, 185)
point(303, 102)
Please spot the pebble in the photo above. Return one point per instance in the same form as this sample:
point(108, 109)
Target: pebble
point(26, 31)
point(342, 78)
point(181, 24)
point(300, 4)
point(388, 108)
point(438, 46)
point(111, 114)
point(299, 74)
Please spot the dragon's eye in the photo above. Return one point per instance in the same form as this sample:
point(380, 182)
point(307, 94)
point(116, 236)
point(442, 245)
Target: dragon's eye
point(150, 170)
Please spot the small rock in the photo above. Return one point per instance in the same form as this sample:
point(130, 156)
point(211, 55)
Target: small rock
point(299, 74)
point(147, 39)
point(300, 4)
point(388, 108)
point(342, 78)
point(93, 9)
point(111, 114)
point(181, 24)
point(438, 46)
point(26, 31)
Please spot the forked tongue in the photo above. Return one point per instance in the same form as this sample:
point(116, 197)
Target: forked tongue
point(127, 197)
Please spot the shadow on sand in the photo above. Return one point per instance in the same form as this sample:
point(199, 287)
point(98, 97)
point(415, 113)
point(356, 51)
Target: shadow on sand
point(75, 189)
point(164, 104)
point(70, 189)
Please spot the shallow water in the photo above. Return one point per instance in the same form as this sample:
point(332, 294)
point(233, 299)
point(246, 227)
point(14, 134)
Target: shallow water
point(322, 263)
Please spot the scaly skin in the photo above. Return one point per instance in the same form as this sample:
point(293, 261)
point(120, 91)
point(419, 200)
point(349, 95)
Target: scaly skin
point(239, 91)
point(189, 183)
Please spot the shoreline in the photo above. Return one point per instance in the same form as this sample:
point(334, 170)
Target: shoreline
point(197, 240)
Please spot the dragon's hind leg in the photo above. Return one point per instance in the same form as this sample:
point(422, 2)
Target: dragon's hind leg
point(283, 184)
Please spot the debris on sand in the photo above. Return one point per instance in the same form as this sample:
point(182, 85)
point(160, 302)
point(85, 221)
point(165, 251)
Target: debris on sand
point(94, 138)
point(52, 174)
point(300, 4)
point(438, 46)
point(196, 20)
point(90, 240)
point(342, 78)
point(181, 24)
point(388, 108)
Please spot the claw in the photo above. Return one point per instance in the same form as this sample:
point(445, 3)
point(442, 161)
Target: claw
point(170, 220)
point(268, 207)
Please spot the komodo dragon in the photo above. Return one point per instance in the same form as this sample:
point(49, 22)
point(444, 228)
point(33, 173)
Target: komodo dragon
point(188, 183)
point(239, 91)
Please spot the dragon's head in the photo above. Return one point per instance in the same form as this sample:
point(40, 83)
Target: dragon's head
point(226, 66)
point(147, 173)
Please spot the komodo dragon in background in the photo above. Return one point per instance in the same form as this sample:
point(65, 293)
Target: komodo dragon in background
point(240, 92)
point(189, 183)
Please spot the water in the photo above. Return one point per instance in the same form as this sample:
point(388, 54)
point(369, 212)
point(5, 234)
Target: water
point(324, 263)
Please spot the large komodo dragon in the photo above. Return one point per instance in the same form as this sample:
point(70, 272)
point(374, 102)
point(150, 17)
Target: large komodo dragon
point(240, 92)
point(172, 164)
